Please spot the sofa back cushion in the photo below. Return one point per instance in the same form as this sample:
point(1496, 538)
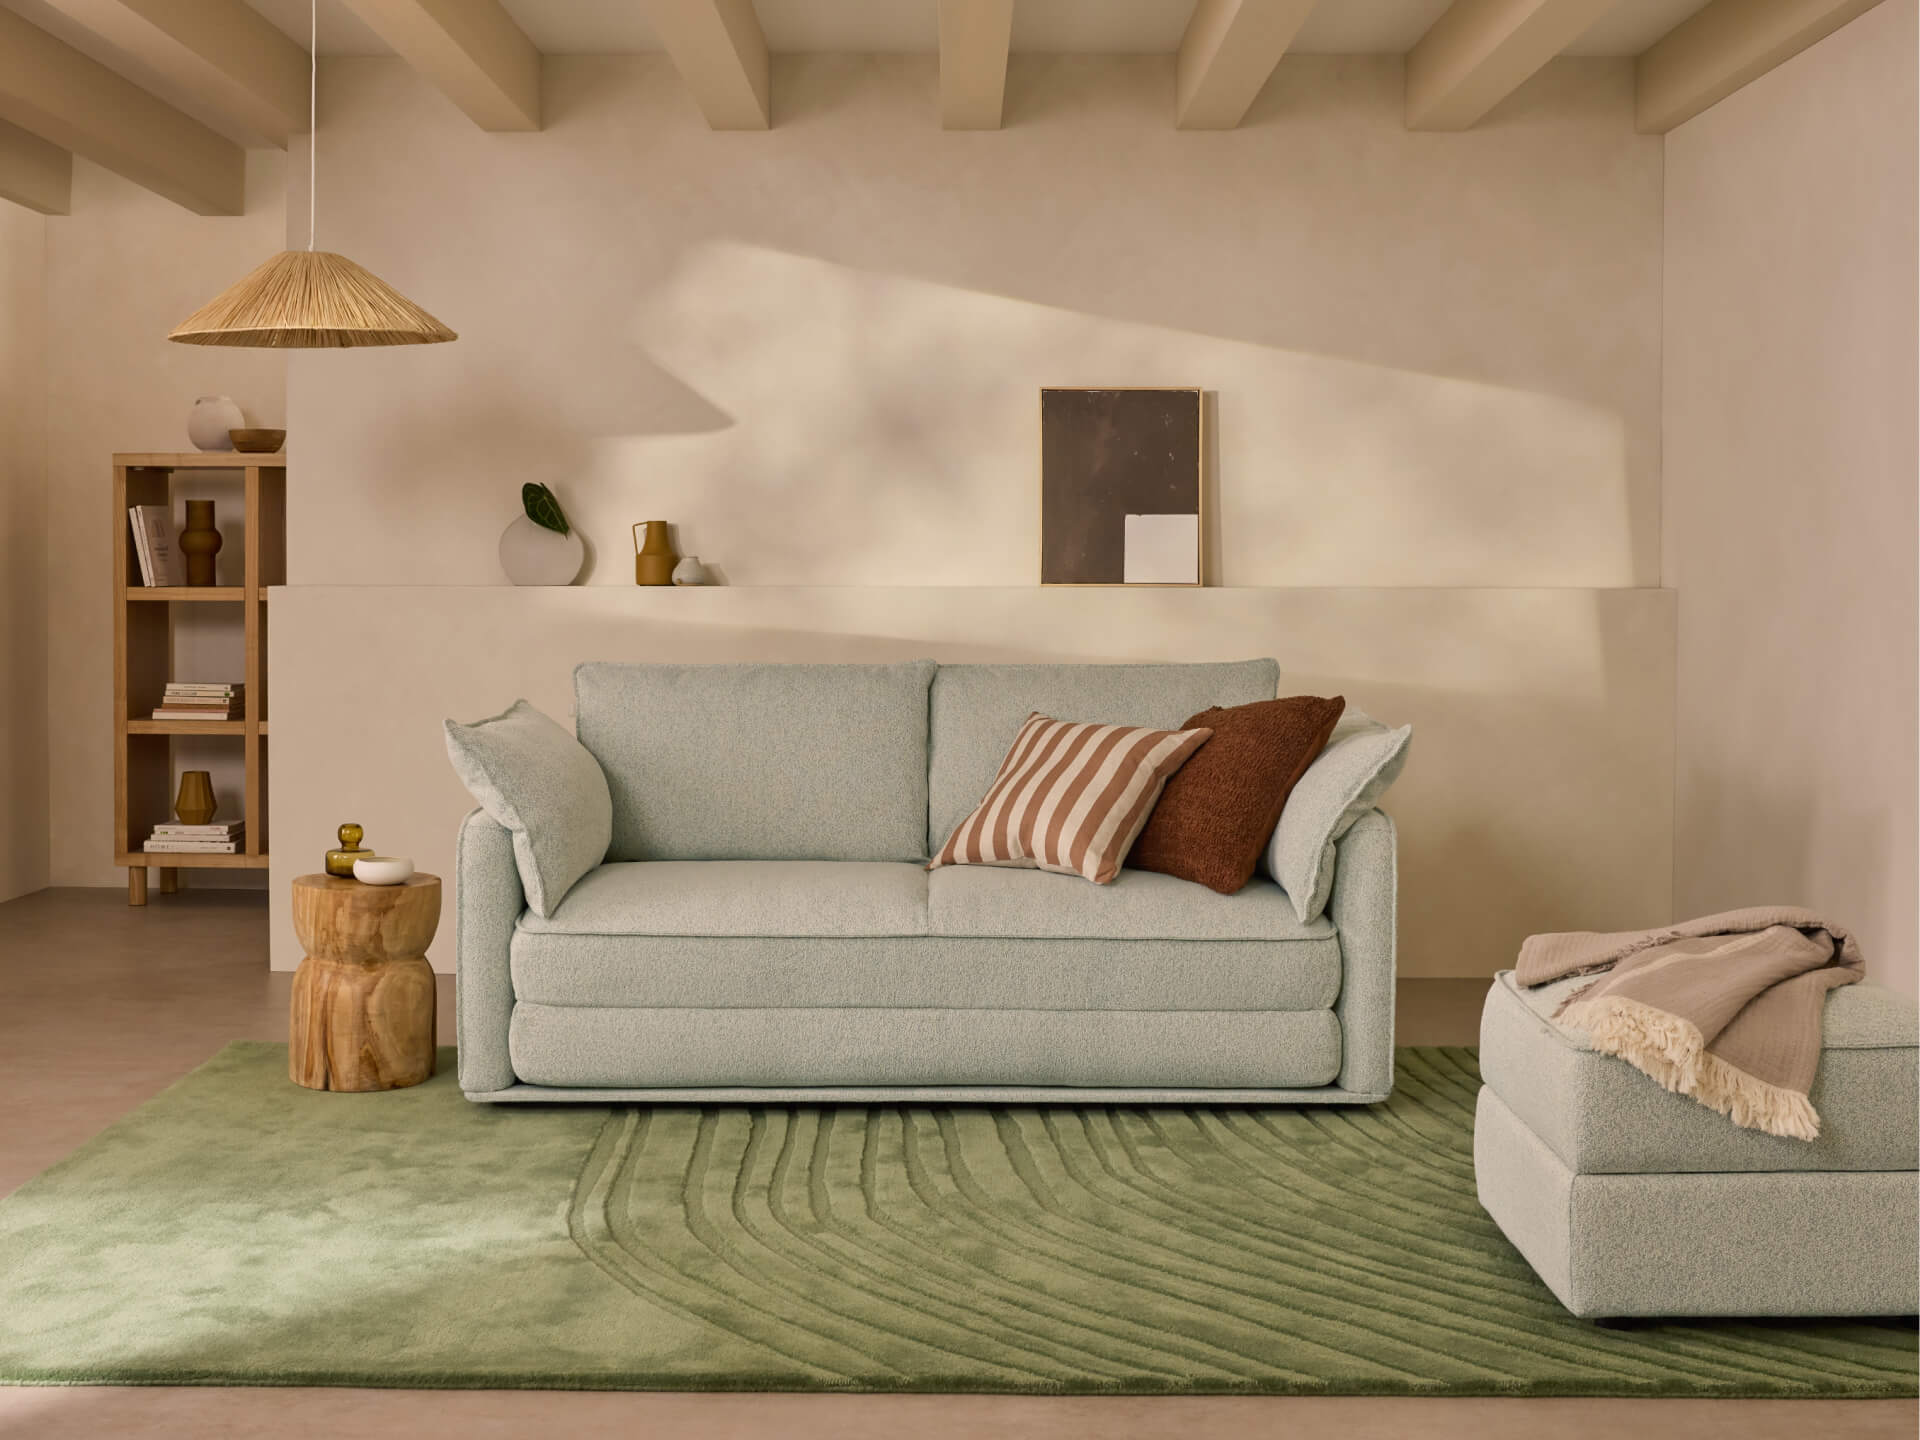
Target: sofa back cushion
point(760, 762)
point(976, 710)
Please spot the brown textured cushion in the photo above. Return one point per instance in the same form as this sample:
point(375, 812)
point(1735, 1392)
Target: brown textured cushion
point(1216, 815)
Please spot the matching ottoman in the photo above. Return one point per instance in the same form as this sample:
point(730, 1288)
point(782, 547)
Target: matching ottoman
point(1631, 1201)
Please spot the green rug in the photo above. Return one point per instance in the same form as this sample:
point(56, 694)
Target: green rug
point(237, 1230)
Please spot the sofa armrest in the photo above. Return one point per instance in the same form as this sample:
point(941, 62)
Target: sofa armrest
point(487, 901)
point(1363, 908)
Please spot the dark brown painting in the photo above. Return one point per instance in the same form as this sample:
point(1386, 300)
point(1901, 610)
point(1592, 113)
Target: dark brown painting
point(1120, 487)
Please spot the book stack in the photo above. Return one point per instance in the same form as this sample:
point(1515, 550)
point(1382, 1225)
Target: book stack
point(191, 700)
point(217, 839)
point(161, 562)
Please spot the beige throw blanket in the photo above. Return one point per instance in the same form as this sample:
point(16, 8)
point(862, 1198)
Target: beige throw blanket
point(1726, 1009)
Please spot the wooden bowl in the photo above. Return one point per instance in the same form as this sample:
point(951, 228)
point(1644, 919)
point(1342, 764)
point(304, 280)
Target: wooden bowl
point(257, 442)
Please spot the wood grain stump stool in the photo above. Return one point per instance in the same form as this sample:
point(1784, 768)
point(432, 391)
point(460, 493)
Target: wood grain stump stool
point(363, 1006)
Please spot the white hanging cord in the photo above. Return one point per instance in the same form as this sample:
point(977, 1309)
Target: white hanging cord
point(313, 115)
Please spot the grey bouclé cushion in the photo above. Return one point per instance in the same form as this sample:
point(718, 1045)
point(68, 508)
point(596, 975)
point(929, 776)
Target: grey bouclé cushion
point(1362, 758)
point(533, 777)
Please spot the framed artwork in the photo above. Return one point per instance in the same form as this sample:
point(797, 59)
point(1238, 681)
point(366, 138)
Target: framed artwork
point(1120, 492)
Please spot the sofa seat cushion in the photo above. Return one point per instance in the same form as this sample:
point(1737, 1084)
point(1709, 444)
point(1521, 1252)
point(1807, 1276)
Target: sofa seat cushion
point(1203, 1049)
point(742, 897)
point(1601, 1116)
point(925, 972)
point(1138, 905)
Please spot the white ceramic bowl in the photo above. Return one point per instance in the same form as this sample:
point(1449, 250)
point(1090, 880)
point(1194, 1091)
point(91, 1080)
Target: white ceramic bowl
point(383, 870)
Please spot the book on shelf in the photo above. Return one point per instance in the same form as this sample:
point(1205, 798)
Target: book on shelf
point(165, 846)
point(154, 543)
point(187, 690)
point(177, 712)
point(222, 830)
point(140, 554)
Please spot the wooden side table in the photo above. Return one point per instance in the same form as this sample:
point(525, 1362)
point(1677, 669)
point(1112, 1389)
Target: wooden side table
point(363, 1006)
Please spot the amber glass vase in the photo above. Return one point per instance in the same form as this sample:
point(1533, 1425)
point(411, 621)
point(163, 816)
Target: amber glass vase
point(200, 542)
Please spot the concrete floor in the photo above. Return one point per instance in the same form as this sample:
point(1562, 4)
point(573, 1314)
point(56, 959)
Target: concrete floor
point(105, 1005)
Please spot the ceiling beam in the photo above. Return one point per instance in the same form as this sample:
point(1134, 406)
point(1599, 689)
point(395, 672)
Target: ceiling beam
point(974, 38)
point(1480, 51)
point(51, 90)
point(1725, 46)
point(1227, 55)
point(34, 173)
point(471, 50)
point(223, 51)
point(721, 54)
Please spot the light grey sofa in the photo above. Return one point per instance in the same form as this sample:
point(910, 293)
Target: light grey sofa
point(764, 927)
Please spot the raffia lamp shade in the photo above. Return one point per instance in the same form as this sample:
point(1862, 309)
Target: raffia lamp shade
point(310, 299)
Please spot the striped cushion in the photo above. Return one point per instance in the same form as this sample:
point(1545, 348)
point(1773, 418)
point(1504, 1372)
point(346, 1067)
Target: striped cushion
point(1070, 797)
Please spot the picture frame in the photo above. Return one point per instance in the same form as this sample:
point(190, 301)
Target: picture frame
point(1122, 486)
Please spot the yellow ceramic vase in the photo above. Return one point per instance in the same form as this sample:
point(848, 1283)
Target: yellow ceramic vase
point(653, 561)
point(195, 804)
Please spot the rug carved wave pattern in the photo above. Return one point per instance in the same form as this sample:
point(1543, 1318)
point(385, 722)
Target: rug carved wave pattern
point(237, 1230)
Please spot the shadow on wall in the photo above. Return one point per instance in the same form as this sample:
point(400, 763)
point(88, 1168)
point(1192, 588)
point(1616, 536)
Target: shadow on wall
point(889, 435)
point(804, 422)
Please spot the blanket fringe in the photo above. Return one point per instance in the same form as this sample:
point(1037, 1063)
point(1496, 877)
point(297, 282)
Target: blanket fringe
point(1673, 1051)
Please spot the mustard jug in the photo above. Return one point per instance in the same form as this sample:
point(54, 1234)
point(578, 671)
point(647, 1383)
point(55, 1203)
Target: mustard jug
point(653, 561)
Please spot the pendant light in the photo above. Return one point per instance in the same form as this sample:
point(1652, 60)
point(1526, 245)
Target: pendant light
point(310, 299)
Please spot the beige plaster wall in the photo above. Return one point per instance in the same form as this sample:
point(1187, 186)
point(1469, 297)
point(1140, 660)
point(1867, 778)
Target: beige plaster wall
point(1790, 488)
point(122, 270)
point(1432, 362)
point(1536, 713)
point(23, 551)
point(1435, 358)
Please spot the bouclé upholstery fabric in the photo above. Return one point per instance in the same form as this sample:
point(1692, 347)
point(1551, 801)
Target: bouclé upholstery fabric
point(539, 782)
point(1787, 1242)
point(1362, 759)
point(1601, 1116)
point(773, 934)
point(1276, 1049)
point(761, 762)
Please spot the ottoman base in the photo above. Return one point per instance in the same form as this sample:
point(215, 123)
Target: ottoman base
point(1737, 1243)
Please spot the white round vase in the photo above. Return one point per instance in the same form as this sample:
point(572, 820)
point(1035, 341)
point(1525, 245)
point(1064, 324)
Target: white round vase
point(209, 421)
point(690, 572)
point(534, 555)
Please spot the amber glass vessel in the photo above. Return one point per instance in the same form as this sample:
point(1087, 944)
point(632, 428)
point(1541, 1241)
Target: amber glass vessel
point(200, 542)
point(340, 862)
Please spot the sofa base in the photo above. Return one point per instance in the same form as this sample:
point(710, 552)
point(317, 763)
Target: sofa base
point(582, 1047)
point(922, 1095)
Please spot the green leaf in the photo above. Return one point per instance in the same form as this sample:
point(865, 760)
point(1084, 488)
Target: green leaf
point(542, 508)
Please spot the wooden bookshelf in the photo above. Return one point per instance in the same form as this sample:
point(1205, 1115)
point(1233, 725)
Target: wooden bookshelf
point(143, 621)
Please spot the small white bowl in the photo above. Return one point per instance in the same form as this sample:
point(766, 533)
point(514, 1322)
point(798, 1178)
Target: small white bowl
point(383, 870)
